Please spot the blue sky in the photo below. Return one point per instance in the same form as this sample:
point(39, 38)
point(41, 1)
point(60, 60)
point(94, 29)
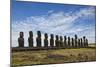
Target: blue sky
point(61, 19)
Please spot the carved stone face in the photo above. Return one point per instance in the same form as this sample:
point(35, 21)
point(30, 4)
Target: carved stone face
point(39, 33)
point(65, 37)
point(31, 33)
point(46, 36)
point(72, 39)
point(52, 36)
point(21, 34)
point(83, 37)
point(79, 40)
point(61, 38)
point(56, 37)
point(75, 36)
point(69, 38)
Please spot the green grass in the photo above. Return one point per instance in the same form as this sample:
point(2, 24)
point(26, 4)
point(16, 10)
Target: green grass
point(53, 56)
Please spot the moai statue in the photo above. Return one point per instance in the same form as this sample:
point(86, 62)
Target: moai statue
point(61, 41)
point(86, 42)
point(65, 42)
point(38, 39)
point(68, 41)
point(57, 41)
point(72, 42)
point(84, 45)
point(52, 40)
point(30, 39)
point(46, 40)
point(75, 40)
point(79, 43)
point(21, 40)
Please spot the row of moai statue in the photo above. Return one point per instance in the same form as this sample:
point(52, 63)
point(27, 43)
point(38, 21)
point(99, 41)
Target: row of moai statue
point(59, 41)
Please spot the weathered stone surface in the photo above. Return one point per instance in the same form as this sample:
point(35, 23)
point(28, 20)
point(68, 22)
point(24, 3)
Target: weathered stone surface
point(65, 41)
point(46, 40)
point(68, 41)
point(38, 39)
point(61, 41)
point(84, 41)
point(30, 39)
point(21, 39)
point(57, 41)
point(72, 42)
point(75, 40)
point(52, 40)
point(79, 45)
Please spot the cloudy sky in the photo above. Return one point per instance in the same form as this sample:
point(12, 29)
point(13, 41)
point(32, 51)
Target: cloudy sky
point(61, 19)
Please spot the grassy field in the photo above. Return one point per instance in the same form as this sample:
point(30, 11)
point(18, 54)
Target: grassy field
point(53, 56)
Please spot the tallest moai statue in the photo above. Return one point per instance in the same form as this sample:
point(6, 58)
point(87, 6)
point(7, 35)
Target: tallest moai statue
point(30, 39)
point(38, 39)
point(21, 40)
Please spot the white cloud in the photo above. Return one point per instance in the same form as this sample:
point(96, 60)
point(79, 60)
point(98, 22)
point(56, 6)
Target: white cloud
point(51, 11)
point(60, 23)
